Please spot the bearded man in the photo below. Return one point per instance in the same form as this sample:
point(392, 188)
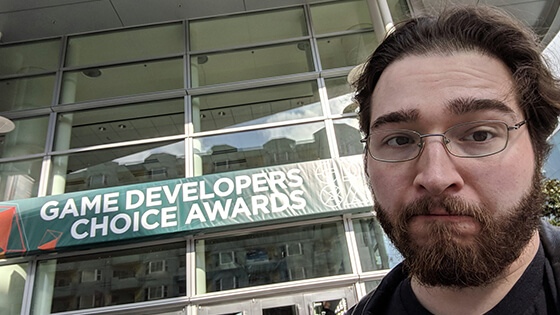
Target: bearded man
point(456, 110)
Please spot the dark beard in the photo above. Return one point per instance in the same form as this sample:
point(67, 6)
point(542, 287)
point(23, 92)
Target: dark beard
point(444, 261)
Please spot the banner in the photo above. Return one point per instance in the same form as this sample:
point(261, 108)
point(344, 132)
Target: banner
point(181, 205)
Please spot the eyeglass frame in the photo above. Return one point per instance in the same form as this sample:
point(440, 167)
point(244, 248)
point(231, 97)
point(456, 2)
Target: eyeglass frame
point(445, 141)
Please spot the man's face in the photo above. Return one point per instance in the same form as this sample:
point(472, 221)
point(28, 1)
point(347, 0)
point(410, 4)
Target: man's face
point(451, 217)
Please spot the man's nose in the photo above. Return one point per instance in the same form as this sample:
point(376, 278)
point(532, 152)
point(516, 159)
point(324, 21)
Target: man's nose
point(436, 169)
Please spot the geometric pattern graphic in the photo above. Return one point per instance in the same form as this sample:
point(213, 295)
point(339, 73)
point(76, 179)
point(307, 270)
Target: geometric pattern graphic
point(12, 239)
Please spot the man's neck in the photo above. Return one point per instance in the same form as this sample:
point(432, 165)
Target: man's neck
point(479, 300)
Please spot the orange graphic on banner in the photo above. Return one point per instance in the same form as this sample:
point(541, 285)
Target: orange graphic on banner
point(49, 240)
point(9, 219)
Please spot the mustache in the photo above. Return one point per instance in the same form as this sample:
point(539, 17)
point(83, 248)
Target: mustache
point(451, 204)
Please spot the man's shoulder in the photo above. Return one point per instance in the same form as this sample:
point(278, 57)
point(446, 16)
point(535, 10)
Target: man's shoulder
point(379, 298)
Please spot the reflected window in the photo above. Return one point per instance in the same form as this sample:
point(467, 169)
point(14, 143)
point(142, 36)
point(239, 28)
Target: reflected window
point(340, 16)
point(28, 137)
point(137, 43)
point(330, 307)
point(251, 149)
point(372, 285)
point(249, 64)
point(19, 180)
point(106, 82)
point(118, 166)
point(340, 96)
point(348, 137)
point(376, 253)
point(347, 50)
point(109, 279)
point(119, 124)
point(246, 29)
point(26, 93)
point(262, 258)
point(257, 106)
point(11, 288)
point(399, 9)
point(30, 57)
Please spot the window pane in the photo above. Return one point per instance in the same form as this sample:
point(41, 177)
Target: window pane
point(340, 16)
point(146, 42)
point(19, 180)
point(260, 148)
point(106, 279)
point(119, 166)
point(11, 288)
point(118, 124)
point(96, 83)
point(340, 96)
point(252, 63)
point(272, 257)
point(399, 10)
point(347, 50)
point(257, 106)
point(373, 246)
point(247, 29)
point(30, 57)
point(348, 137)
point(26, 93)
point(28, 137)
point(372, 285)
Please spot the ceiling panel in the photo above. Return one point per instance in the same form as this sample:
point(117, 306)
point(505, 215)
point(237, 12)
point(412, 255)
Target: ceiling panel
point(54, 21)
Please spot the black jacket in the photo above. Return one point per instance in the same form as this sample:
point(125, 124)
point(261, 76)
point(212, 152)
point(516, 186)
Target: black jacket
point(379, 298)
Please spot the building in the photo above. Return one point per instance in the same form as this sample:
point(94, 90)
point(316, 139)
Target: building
point(191, 157)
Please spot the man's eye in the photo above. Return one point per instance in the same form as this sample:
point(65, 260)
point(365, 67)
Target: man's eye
point(478, 136)
point(399, 140)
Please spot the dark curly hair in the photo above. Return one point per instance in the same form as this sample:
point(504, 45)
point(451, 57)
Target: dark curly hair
point(480, 29)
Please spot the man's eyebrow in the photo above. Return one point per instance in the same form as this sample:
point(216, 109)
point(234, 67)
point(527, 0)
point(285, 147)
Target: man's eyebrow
point(404, 115)
point(461, 106)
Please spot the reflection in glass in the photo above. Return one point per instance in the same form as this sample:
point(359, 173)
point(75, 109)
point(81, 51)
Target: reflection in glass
point(327, 18)
point(375, 254)
point(146, 42)
point(120, 123)
point(273, 257)
point(347, 50)
point(348, 137)
point(340, 96)
point(28, 137)
point(97, 83)
point(254, 63)
point(119, 166)
point(257, 106)
point(30, 57)
point(246, 29)
point(399, 10)
point(280, 310)
point(11, 288)
point(19, 180)
point(273, 146)
point(113, 278)
point(26, 93)
point(330, 307)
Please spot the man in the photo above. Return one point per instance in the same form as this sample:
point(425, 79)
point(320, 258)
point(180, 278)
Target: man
point(456, 110)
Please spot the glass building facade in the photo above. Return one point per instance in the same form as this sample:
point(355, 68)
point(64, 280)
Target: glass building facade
point(164, 111)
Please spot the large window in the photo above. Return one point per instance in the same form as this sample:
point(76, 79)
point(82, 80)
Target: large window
point(272, 257)
point(247, 29)
point(82, 282)
point(257, 106)
point(11, 288)
point(120, 123)
point(136, 43)
point(118, 166)
point(259, 148)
